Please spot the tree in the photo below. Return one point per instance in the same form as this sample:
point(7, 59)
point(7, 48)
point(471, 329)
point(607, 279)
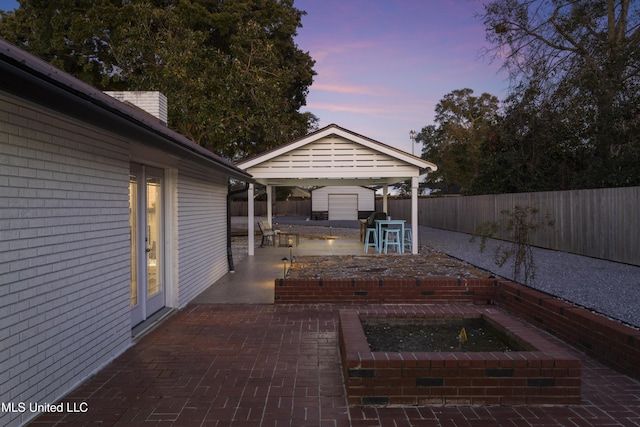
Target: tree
point(463, 123)
point(576, 63)
point(232, 73)
point(535, 147)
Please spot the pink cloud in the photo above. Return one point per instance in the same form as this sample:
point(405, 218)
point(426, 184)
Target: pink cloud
point(352, 89)
point(326, 48)
point(344, 108)
point(348, 89)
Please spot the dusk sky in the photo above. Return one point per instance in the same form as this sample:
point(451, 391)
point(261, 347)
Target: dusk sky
point(383, 65)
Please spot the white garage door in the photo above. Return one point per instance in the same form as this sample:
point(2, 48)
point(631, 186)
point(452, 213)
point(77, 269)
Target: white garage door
point(343, 206)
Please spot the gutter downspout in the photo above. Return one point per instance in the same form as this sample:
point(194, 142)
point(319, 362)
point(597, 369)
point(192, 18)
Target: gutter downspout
point(229, 251)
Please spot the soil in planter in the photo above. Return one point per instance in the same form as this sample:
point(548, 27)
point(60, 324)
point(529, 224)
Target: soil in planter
point(417, 336)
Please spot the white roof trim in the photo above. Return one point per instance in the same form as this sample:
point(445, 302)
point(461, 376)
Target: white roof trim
point(336, 130)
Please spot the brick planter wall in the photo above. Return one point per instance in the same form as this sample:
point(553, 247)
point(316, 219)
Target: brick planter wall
point(608, 341)
point(545, 375)
point(612, 343)
point(385, 290)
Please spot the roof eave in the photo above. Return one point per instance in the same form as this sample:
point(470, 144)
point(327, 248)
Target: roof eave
point(33, 79)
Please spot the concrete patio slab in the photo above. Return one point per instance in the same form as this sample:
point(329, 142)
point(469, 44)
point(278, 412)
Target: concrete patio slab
point(254, 276)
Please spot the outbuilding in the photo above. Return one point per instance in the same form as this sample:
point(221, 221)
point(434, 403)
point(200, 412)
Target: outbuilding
point(334, 156)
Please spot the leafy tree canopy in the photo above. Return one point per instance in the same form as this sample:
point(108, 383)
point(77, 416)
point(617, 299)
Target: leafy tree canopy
point(233, 75)
point(463, 122)
point(573, 118)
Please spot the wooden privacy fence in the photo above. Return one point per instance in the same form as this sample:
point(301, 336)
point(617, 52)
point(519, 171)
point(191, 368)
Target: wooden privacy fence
point(601, 223)
point(288, 207)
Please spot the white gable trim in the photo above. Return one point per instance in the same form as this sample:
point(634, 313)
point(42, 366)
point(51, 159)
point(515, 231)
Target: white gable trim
point(345, 134)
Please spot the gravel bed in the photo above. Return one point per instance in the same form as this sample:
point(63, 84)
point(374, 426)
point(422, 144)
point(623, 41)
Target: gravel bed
point(606, 287)
point(426, 264)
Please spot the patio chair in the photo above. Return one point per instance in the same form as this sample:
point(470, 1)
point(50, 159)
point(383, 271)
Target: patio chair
point(371, 237)
point(371, 240)
point(268, 234)
point(408, 237)
point(391, 237)
point(371, 221)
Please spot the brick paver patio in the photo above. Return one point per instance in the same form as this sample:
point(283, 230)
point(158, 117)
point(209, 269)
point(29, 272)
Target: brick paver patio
point(278, 365)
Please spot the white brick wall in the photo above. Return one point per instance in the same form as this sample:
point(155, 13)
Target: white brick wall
point(202, 224)
point(64, 253)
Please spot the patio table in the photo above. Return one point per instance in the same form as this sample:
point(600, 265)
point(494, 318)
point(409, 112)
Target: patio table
point(390, 222)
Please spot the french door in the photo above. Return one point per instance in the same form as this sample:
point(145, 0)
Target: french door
point(146, 220)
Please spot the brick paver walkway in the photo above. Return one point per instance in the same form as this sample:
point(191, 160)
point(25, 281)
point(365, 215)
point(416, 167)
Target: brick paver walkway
point(278, 365)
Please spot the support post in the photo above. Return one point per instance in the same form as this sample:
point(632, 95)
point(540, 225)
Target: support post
point(385, 192)
point(414, 216)
point(251, 224)
point(269, 205)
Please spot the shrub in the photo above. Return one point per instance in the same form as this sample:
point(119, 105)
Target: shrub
point(516, 227)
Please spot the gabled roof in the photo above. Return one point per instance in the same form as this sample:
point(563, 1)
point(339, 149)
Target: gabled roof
point(334, 156)
point(340, 131)
point(35, 80)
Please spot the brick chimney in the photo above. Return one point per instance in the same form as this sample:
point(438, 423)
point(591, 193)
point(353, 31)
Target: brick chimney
point(154, 103)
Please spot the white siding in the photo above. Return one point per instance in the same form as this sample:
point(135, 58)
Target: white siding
point(332, 157)
point(343, 206)
point(320, 197)
point(202, 225)
point(64, 253)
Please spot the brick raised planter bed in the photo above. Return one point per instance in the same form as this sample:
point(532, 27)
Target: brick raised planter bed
point(612, 343)
point(385, 290)
point(545, 374)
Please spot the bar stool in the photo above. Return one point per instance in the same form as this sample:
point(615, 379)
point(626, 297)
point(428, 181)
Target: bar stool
point(371, 232)
point(408, 238)
point(391, 238)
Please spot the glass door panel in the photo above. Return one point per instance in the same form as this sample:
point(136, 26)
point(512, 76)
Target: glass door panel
point(147, 224)
point(154, 235)
point(133, 227)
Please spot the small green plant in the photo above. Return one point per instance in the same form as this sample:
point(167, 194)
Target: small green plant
point(516, 227)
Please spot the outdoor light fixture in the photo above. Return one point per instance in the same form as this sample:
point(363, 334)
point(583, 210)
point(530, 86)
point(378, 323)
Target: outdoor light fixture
point(284, 267)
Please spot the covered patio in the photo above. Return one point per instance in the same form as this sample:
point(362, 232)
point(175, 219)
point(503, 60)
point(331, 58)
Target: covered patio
point(334, 156)
point(253, 281)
